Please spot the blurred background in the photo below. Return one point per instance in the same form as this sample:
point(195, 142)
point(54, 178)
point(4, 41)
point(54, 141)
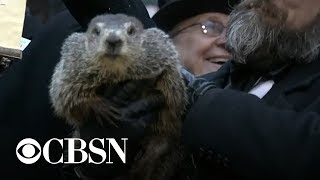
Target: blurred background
point(152, 6)
point(39, 12)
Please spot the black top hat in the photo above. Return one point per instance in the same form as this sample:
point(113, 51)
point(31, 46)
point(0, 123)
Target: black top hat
point(173, 12)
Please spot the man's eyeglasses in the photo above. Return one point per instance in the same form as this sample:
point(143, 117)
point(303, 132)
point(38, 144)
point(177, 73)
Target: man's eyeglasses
point(209, 28)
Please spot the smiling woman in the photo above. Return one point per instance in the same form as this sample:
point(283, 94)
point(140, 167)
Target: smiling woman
point(198, 31)
point(201, 42)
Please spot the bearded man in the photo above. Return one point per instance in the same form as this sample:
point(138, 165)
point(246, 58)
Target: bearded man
point(270, 126)
point(258, 116)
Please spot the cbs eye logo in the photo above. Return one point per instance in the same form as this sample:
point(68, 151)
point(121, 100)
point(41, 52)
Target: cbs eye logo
point(28, 151)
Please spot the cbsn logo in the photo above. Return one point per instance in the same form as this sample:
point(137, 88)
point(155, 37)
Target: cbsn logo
point(29, 147)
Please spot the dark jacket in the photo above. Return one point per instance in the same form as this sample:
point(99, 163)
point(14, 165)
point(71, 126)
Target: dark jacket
point(236, 135)
point(25, 110)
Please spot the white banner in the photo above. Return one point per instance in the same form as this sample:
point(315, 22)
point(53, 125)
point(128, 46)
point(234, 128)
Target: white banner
point(12, 14)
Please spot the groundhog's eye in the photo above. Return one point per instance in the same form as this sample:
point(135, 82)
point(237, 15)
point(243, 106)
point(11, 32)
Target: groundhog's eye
point(96, 31)
point(131, 30)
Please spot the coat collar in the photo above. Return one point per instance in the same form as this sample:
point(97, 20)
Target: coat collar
point(296, 76)
point(301, 75)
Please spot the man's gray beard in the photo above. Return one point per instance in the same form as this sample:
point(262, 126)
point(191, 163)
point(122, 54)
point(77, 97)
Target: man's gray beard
point(251, 40)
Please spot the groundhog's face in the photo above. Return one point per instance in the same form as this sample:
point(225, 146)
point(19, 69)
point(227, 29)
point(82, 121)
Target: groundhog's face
point(118, 46)
point(112, 40)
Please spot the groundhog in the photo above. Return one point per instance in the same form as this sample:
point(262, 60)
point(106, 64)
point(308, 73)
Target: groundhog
point(115, 49)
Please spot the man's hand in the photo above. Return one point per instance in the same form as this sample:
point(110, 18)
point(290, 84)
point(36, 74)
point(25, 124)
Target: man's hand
point(135, 112)
point(196, 86)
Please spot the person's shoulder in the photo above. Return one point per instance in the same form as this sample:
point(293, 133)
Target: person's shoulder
point(61, 24)
point(220, 77)
point(49, 39)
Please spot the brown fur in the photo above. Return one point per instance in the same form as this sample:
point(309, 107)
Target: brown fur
point(147, 54)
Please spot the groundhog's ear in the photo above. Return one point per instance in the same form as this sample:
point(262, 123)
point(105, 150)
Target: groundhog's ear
point(84, 10)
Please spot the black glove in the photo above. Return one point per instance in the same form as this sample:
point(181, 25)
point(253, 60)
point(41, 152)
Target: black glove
point(136, 113)
point(197, 86)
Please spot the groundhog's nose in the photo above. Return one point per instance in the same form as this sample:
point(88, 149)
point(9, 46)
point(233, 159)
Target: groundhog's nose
point(113, 41)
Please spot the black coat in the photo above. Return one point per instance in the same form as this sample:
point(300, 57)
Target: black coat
point(25, 110)
point(244, 137)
